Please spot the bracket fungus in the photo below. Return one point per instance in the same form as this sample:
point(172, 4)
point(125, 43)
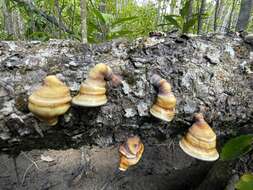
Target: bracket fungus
point(130, 152)
point(200, 140)
point(93, 89)
point(50, 100)
point(164, 107)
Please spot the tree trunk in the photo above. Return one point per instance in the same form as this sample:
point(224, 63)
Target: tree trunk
point(83, 21)
point(225, 18)
point(231, 16)
point(190, 10)
point(7, 18)
point(18, 24)
point(220, 14)
point(158, 12)
point(210, 20)
point(244, 15)
point(200, 19)
point(58, 10)
point(102, 6)
point(172, 6)
point(216, 15)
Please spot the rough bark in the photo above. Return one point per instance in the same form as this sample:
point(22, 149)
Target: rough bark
point(190, 10)
point(211, 75)
point(7, 18)
point(200, 19)
point(230, 16)
point(58, 11)
point(244, 15)
point(158, 17)
point(83, 21)
point(217, 5)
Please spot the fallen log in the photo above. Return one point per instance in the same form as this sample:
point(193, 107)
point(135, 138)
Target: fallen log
point(208, 74)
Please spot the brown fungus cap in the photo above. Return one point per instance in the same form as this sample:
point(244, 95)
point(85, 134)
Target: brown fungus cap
point(130, 152)
point(200, 140)
point(50, 100)
point(93, 89)
point(165, 104)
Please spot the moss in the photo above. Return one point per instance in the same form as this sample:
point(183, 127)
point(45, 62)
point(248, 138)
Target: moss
point(129, 77)
point(54, 65)
point(21, 103)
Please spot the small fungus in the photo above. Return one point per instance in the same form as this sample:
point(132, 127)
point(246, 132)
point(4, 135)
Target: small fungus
point(164, 107)
point(200, 140)
point(130, 152)
point(93, 89)
point(50, 100)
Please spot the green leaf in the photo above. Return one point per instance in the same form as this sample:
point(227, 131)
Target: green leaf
point(93, 27)
point(187, 26)
point(172, 20)
point(99, 15)
point(237, 147)
point(245, 182)
point(185, 10)
point(123, 20)
point(108, 17)
point(118, 34)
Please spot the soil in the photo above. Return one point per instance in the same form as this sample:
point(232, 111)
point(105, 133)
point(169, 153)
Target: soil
point(95, 168)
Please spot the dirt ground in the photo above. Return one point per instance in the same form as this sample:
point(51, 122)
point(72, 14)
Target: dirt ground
point(95, 168)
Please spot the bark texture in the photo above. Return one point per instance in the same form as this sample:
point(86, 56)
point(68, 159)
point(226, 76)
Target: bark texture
point(217, 6)
point(244, 15)
point(83, 21)
point(208, 74)
point(200, 18)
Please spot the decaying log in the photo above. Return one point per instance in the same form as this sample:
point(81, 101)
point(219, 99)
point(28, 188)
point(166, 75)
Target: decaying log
point(209, 74)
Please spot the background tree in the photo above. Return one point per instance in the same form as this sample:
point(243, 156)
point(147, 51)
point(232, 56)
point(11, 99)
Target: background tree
point(244, 15)
point(109, 19)
point(217, 6)
point(83, 21)
point(200, 19)
point(231, 15)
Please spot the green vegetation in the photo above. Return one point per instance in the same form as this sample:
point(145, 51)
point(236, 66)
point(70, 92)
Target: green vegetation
point(236, 147)
point(110, 19)
point(245, 182)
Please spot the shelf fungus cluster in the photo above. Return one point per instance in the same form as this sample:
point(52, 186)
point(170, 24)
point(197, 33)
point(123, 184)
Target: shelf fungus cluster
point(50, 100)
point(200, 140)
point(93, 89)
point(130, 152)
point(53, 98)
point(164, 107)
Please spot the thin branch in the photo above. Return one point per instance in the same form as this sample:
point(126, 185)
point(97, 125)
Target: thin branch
point(32, 161)
point(49, 18)
point(28, 168)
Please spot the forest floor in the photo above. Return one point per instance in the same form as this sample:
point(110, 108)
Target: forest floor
point(91, 168)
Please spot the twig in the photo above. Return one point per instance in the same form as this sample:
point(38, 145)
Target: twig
point(28, 168)
point(116, 174)
point(8, 87)
point(31, 161)
point(49, 18)
point(82, 170)
point(16, 171)
point(23, 178)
